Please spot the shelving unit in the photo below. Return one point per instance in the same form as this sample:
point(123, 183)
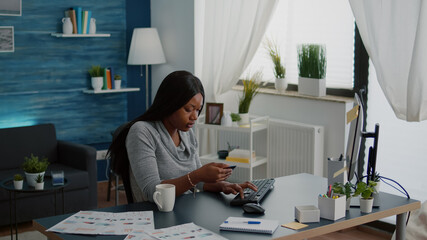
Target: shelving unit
point(121, 90)
point(61, 35)
point(256, 125)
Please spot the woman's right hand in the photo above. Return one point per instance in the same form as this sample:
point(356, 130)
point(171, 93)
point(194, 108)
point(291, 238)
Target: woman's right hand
point(213, 172)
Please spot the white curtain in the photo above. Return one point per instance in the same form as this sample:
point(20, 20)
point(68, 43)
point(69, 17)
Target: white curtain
point(394, 33)
point(233, 30)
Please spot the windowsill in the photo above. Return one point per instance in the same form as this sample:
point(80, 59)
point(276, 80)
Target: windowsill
point(328, 98)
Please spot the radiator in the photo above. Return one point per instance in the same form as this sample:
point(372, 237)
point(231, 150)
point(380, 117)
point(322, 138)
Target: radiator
point(292, 148)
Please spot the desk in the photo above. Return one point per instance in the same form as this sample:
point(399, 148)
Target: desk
point(209, 210)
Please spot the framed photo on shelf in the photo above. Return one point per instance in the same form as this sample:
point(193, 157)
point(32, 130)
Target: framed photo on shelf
point(6, 39)
point(214, 113)
point(11, 7)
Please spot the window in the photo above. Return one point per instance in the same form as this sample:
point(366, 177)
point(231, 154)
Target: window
point(294, 22)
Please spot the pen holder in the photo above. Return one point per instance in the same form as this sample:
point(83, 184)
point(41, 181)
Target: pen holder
point(332, 209)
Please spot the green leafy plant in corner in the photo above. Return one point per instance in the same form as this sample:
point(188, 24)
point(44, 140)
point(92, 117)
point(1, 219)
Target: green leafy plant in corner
point(273, 51)
point(117, 77)
point(365, 190)
point(39, 178)
point(96, 71)
point(250, 89)
point(18, 177)
point(32, 164)
point(235, 117)
point(312, 61)
point(377, 177)
point(347, 189)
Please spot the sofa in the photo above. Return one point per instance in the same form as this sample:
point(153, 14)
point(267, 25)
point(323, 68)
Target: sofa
point(78, 162)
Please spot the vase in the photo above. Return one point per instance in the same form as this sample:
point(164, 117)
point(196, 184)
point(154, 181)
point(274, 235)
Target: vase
point(312, 86)
point(366, 204)
point(244, 119)
point(117, 83)
point(92, 26)
point(39, 186)
point(67, 26)
point(18, 184)
point(97, 83)
point(31, 178)
point(281, 84)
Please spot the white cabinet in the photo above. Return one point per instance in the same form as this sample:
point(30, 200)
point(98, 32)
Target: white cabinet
point(252, 137)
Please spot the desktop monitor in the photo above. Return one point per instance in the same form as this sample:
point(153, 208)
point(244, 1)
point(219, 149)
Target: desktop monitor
point(354, 137)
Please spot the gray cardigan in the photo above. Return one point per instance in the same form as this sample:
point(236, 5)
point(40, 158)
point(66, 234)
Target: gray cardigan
point(154, 157)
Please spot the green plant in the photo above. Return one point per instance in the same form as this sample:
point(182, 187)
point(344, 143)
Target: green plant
point(365, 190)
point(312, 61)
point(347, 189)
point(377, 177)
point(235, 117)
point(117, 77)
point(250, 90)
point(18, 177)
point(273, 50)
point(39, 178)
point(96, 71)
point(32, 164)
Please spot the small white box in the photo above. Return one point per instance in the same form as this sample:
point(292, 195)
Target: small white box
point(307, 214)
point(332, 209)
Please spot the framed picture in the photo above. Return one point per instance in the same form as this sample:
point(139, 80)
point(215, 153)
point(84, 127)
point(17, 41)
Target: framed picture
point(11, 7)
point(6, 39)
point(214, 113)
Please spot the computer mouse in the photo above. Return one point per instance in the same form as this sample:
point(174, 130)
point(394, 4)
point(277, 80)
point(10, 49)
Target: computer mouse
point(253, 208)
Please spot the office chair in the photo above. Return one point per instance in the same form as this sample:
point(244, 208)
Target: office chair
point(125, 177)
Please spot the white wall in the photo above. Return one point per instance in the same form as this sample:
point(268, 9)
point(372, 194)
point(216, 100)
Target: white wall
point(174, 21)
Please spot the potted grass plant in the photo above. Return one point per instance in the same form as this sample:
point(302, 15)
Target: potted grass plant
point(33, 166)
point(97, 77)
point(312, 69)
point(18, 181)
point(279, 70)
point(251, 86)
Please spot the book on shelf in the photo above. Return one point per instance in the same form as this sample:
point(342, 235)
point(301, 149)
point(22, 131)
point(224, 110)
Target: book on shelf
point(112, 77)
point(79, 19)
point(255, 225)
point(104, 86)
point(236, 159)
point(84, 22)
point(89, 15)
point(72, 16)
point(108, 73)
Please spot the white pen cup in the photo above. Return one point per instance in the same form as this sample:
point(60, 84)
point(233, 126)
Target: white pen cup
point(164, 197)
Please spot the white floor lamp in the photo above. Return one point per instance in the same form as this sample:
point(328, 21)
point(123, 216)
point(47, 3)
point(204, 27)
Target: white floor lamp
point(145, 49)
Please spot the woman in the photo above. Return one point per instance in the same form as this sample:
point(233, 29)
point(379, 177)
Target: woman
point(161, 147)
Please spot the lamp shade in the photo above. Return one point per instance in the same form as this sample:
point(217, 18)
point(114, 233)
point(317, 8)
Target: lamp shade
point(145, 47)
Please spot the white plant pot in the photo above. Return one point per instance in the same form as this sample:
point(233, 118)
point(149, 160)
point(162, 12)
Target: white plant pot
point(117, 84)
point(18, 184)
point(366, 205)
point(312, 86)
point(281, 84)
point(39, 186)
point(347, 203)
point(31, 178)
point(244, 119)
point(97, 83)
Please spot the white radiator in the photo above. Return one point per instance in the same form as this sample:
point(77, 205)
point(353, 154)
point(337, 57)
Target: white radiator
point(295, 148)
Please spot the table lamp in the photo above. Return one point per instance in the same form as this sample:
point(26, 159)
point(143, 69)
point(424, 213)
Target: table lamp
point(145, 49)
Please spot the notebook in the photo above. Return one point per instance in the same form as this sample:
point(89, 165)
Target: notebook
point(249, 225)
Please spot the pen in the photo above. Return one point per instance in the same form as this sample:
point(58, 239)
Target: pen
point(248, 222)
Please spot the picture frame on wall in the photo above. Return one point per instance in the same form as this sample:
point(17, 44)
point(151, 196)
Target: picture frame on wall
point(6, 39)
point(214, 113)
point(11, 7)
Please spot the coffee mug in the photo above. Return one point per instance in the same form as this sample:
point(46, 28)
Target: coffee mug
point(164, 197)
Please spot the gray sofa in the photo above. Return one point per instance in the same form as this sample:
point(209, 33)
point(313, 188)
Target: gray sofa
point(76, 160)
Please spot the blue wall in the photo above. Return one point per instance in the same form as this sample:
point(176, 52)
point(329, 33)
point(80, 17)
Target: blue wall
point(42, 81)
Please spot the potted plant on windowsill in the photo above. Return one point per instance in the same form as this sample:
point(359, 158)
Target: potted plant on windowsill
point(250, 89)
point(365, 191)
point(39, 182)
point(18, 181)
point(346, 189)
point(279, 70)
point(34, 167)
point(312, 69)
point(97, 77)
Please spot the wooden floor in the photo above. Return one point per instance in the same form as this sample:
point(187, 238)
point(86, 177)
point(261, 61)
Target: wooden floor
point(361, 232)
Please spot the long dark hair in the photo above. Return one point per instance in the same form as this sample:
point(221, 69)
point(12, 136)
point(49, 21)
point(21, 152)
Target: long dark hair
point(174, 92)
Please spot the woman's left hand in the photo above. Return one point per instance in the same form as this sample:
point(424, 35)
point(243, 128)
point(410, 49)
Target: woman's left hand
point(236, 188)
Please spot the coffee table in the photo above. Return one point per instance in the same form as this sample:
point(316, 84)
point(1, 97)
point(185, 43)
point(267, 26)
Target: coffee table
point(7, 184)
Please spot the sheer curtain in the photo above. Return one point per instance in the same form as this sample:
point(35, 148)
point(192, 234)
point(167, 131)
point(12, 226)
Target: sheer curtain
point(394, 33)
point(232, 31)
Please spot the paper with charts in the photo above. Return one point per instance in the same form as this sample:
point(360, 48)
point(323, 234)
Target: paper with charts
point(105, 223)
point(183, 231)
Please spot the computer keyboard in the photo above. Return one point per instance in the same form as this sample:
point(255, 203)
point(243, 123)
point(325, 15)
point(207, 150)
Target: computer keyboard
point(263, 185)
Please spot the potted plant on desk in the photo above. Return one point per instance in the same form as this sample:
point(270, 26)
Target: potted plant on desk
point(34, 167)
point(18, 181)
point(39, 182)
point(346, 189)
point(365, 191)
